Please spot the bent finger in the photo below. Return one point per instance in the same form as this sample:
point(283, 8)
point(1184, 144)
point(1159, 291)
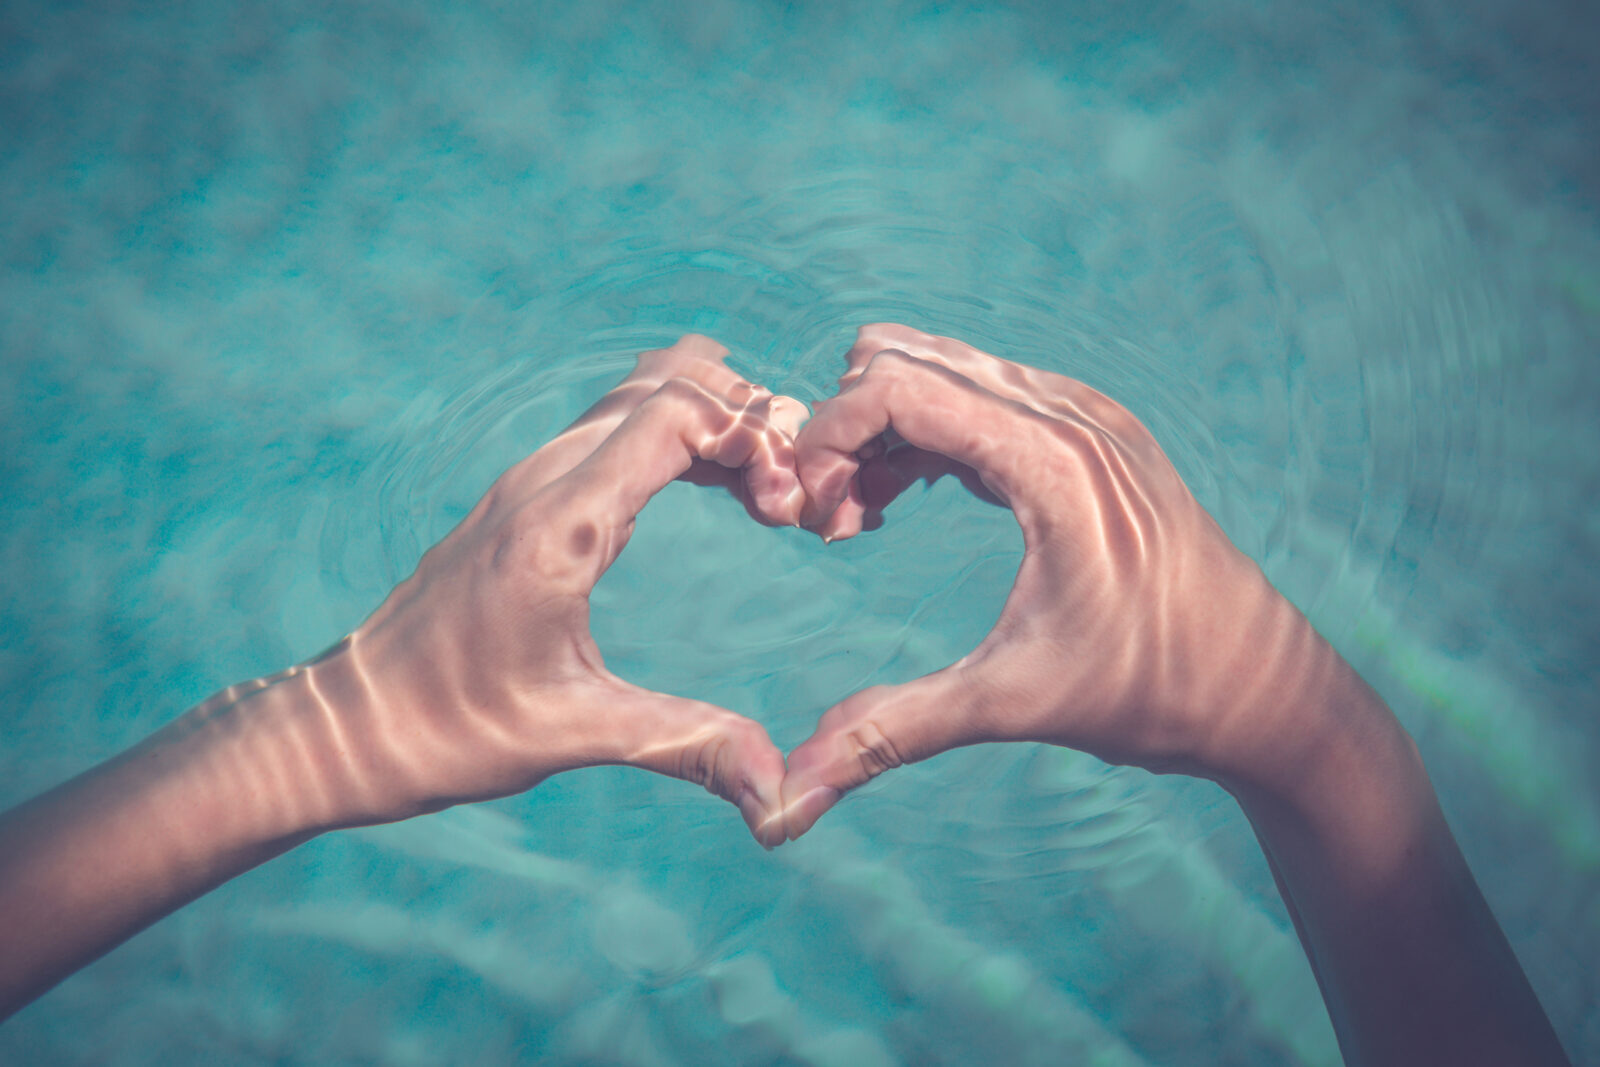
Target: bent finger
point(1051, 394)
point(694, 357)
point(930, 406)
point(679, 423)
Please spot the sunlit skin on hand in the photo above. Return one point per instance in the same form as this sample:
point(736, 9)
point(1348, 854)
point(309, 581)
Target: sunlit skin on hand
point(478, 677)
point(1134, 631)
point(1137, 632)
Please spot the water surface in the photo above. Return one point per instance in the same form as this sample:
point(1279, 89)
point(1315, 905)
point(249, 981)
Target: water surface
point(284, 288)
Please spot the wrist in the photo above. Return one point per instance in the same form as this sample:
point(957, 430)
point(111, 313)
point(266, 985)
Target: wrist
point(1293, 710)
point(329, 714)
point(265, 752)
point(1337, 769)
point(280, 754)
point(235, 781)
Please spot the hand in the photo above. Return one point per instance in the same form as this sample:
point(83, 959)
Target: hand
point(1134, 631)
point(478, 677)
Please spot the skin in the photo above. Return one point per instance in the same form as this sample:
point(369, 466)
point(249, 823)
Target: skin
point(1137, 632)
point(1134, 631)
point(476, 678)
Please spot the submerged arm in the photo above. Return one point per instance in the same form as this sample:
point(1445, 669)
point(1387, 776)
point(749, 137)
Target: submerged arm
point(476, 678)
point(231, 784)
point(1412, 964)
point(1137, 632)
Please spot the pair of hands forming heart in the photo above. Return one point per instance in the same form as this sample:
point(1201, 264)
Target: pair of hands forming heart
point(1134, 631)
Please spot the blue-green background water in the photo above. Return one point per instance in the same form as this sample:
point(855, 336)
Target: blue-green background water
point(284, 286)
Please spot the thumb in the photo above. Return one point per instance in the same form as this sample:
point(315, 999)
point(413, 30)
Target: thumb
point(870, 732)
point(728, 754)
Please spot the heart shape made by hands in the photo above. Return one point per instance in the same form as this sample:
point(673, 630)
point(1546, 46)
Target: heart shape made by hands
point(1134, 630)
point(703, 605)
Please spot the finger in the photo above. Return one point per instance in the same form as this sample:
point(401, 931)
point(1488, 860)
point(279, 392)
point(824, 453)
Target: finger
point(929, 406)
point(1048, 393)
point(788, 414)
point(948, 352)
point(728, 754)
point(880, 480)
point(873, 731)
point(661, 439)
point(875, 337)
point(848, 518)
point(765, 488)
point(772, 493)
point(694, 357)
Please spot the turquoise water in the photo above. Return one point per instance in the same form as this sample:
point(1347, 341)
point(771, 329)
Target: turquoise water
point(283, 288)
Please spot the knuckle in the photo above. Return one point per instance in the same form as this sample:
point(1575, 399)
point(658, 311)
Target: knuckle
point(703, 764)
point(653, 362)
point(884, 369)
point(689, 403)
point(1084, 439)
point(872, 749)
point(891, 334)
point(685, 354)
point(678, 389)
point(892, 360)
point(1113, 416)
point(533, 549)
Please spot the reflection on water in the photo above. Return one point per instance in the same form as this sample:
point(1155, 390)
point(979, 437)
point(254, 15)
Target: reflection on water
point(283, 295)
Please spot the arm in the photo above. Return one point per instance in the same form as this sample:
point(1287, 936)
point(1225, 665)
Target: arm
point(476, 678)
point(236, 781)
point(1137, 632)
point(1411, 962)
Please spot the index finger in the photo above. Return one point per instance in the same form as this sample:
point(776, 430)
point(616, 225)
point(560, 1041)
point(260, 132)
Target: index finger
point(930, 406)
point(693, 358)
point(682, 422)
point(1044, 391)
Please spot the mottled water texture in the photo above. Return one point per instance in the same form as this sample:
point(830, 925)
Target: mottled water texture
point(284, 287)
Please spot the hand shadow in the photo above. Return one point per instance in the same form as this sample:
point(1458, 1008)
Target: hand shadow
point(890, 466)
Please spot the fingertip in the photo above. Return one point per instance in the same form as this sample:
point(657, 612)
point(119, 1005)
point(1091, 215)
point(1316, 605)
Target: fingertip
point(760, 795)
point(832, 494)
point(776, 497)
point(764, 818)
point(847, 520)
point(729, 755)
point(816, 779)
point(789, 509)
point(802, 813)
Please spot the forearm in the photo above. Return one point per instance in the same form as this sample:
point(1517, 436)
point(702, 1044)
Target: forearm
point(1412, 964)
point(231, 784)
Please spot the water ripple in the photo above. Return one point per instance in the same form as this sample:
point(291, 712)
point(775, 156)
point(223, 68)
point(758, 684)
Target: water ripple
point(1327, 394)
